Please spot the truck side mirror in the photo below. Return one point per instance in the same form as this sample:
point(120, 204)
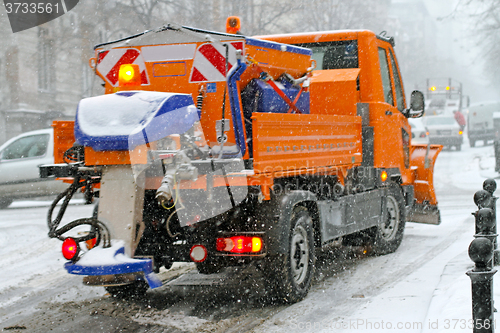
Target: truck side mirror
point(417, 105)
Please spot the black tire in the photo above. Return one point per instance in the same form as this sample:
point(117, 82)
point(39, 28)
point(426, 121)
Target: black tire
point(5, 202)
point(472, 143)
point(389, 234)
point(289, 277)
point(459, 147)
point(136, 289)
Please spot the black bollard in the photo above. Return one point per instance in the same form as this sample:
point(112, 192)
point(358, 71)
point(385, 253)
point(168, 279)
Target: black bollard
point(485, 228)
point(481, 252)
point(490, 186)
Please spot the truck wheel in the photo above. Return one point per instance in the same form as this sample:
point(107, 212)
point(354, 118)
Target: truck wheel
point(5, 202)
point(472, 143)
point(459, 147)
point(389, 234)
point(289, 276)
point(136, 289)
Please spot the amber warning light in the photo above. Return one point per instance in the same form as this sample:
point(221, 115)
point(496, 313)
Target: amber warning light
point(129, 75)
point(233, 24)
point(383, 176)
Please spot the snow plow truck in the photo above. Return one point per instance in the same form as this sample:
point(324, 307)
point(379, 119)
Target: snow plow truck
point(224, 150)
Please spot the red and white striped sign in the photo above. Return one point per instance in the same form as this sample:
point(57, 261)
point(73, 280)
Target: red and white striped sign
point(109, 62)
point(209, 62)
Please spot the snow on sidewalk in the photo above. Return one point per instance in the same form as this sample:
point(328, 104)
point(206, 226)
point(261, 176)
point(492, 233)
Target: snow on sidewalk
point(421, 298)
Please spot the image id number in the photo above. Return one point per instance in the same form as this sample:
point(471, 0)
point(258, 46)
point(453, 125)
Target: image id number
point(468, 324)
point(32, 8)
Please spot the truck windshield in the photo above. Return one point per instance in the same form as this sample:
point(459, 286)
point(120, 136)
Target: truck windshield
point(334, 55)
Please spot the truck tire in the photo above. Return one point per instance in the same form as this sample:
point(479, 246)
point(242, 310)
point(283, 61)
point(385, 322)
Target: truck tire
point(472, 143)
point(389, 234)
point(136, 289)
point(5, 202)
point(289, 276)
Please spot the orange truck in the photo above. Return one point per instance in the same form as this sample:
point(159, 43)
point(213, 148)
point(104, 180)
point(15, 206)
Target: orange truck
point(224, 150)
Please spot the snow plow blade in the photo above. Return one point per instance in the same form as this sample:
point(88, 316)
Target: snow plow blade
point(110, 266)
point(425, 208)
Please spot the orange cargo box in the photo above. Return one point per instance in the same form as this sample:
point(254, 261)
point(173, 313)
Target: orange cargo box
point(334, 91)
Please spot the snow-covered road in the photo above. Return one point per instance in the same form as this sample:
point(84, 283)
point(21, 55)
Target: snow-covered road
point(420, 288)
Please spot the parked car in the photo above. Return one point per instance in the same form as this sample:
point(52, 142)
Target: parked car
point(419, 133)
point(444, 130)
point(19, 161)
point(481, 122)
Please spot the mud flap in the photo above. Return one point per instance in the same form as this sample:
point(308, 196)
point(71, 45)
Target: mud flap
point(425, 209)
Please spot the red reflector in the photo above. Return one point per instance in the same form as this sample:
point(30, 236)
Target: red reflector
point(239, 244)
point(198, 253)
point(70, 248)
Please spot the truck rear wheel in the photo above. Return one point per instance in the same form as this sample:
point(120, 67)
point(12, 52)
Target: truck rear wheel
point(289, 276)
point(389, 234)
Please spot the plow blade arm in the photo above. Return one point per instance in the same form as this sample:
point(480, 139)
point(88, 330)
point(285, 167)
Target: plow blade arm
point(424, 209)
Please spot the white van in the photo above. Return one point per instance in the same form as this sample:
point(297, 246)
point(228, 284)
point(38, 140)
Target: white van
point(480, 122)
point(19, 161)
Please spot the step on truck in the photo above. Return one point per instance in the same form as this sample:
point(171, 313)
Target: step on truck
point(224, 150)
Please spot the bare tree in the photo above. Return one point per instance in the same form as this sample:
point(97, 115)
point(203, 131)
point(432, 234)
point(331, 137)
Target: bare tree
point(337, 14)
point(485, 18)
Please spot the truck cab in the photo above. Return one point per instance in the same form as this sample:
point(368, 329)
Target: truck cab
point(379, 99)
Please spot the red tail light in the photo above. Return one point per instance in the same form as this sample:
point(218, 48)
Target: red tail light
point(70, 248)
point(423, 135)
point(239, 244)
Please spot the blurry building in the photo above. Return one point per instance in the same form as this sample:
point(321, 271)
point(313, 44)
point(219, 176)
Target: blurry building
point(415, 32)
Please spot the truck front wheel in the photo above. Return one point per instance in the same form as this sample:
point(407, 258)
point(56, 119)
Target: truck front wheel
point(389, 234)
point(289, 276)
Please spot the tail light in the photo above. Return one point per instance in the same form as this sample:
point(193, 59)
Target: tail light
point(70, 248)
point(423, 135)
point(460, 132)
point(239, 244)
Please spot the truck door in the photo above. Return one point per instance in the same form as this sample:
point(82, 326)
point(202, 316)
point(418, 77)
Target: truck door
point(398, 156)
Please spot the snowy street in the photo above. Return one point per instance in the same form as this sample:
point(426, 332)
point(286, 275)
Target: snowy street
point(422, 287)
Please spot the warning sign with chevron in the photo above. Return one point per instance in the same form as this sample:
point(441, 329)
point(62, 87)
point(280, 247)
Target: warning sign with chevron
point(109, 62)
point(209, 63)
